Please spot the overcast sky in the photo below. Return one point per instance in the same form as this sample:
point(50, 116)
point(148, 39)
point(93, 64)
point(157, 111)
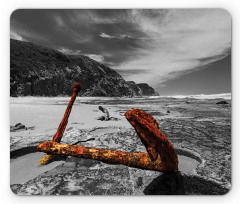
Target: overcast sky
point(175, 51)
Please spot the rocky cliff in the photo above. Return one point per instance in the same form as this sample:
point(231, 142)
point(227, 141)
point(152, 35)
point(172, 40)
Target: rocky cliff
point(142, 89)
point(147, 90)
point(40, 71)
point(136, 90)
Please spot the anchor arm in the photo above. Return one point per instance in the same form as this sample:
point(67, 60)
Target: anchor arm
point(132, 159)
point(154, 140)
point(161, 154)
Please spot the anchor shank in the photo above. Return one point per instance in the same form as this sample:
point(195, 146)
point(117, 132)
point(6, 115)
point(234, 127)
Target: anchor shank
point(58, 136)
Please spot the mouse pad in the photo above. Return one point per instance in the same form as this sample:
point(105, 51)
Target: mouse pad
point(120, 102)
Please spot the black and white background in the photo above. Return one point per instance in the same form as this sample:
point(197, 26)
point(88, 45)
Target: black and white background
point(9, 6)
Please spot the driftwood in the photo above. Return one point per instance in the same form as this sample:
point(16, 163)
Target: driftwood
point(161, 154)
point(106, 116)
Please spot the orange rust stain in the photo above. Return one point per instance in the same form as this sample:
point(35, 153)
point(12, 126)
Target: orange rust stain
point(58, 136)
point(155, 142)
point(161, 153)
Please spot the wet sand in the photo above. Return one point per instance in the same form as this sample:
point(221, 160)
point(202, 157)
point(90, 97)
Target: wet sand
point(26, 167)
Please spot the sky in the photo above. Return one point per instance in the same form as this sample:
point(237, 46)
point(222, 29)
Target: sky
point(176, 51)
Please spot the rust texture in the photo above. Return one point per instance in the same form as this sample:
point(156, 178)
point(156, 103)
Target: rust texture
point(133, 159)
point(58, 136)
point(155, 142)
point(161, 154)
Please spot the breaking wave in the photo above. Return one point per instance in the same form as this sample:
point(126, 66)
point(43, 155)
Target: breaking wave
point(226, 96)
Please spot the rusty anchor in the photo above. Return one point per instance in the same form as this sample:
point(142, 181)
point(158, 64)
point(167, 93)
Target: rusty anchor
point(161, 154)
point(58, 136)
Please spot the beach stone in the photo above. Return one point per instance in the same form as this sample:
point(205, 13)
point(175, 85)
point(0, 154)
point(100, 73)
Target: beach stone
point(222, 102)
point(18, 126)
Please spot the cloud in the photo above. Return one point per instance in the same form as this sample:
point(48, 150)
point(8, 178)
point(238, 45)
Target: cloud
point(104, 35)
point(16, 36)
point(69, 51)
point(159, 45)
point(98, 58)
point(79, 30)
point(122, 36)
point(178, 41)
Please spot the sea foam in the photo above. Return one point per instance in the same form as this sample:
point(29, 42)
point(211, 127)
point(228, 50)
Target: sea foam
point(226, 96)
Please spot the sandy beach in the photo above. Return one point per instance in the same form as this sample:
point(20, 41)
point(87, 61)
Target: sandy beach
point(198, 128)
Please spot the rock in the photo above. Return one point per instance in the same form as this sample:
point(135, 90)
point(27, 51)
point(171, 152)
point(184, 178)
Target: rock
point(18, 126)
point(69, 180)
point(139, 181)
point(147, 90)
point(199, 125)
point(40, 71)
point(222, 102)
point(142, 89)
point(168, 111)
point(91, 177)
point(183, 184)
point(136, 90)
point(36, 70)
